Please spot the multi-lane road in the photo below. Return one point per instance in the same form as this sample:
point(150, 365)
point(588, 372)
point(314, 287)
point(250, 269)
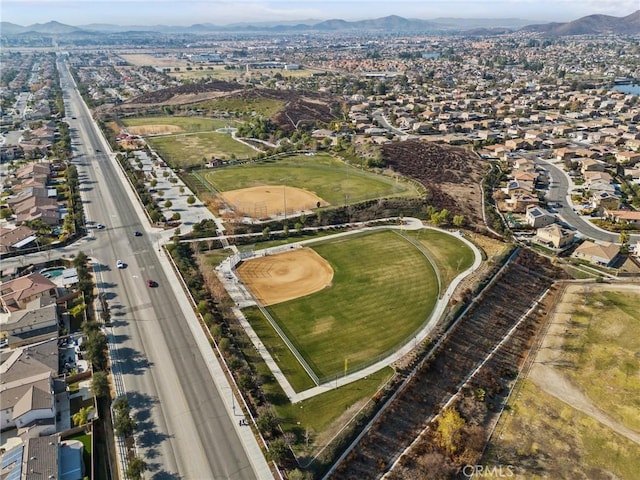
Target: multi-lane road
point(185, 430)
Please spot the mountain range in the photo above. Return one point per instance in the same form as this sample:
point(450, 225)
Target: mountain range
point(591, 24)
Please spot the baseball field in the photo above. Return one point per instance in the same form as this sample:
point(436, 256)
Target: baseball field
point(266, 187)
point(344, 302)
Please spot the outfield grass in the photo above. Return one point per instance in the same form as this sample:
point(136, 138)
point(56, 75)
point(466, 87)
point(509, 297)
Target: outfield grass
point(190, 150)
point(452, 256)
point(327, 177)
point(383, 289)
point(186, 124)
point(543, 437)
point(602, 348)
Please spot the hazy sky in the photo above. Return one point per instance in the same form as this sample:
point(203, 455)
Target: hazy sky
point(172, 12)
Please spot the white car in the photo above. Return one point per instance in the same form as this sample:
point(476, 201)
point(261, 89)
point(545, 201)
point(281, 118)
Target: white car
point(120, 264)
point(100, 226)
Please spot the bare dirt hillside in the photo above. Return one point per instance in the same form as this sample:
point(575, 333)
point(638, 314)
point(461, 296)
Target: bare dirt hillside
point(451, 174)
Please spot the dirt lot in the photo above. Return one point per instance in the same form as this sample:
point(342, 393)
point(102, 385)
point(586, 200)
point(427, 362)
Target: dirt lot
point(278, 278)
point(267, 201)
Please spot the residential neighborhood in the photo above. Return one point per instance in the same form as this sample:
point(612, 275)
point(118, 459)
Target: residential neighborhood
point(146, 174)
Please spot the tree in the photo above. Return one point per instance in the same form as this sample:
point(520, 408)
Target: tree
point(277, 450)
point(80, 260)
point(191, 199)
point(136, 468)
point(168, 204)
point(458, 220)
point(266, 422)
point(81, 417)
point(449, 428)
point(96, 346)
point(623, 237)
point(124, 424)
point(100, 385)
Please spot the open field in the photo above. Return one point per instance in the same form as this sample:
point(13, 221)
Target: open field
point(383, 289)
point(136, 125)
point(327, 177)
point(543, 437)
point(143, 59)
point(600, 348)
point(190, 149)
point(576, 414)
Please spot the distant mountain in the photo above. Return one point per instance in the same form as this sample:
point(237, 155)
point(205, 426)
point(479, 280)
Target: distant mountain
point(8, 28)
point(54, 28)
point(591, 25)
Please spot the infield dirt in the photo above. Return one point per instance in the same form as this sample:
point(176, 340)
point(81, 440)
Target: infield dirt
point(286, 276)
point(269, 200)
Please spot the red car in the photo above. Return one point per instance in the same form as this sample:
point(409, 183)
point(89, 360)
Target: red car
point(151, 283)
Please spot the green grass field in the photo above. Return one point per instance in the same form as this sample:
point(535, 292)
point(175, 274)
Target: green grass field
point(603, 351)
point(322, 174)
point(451, 256)
point(187, 124)
point(383, 289)
point(189, 150)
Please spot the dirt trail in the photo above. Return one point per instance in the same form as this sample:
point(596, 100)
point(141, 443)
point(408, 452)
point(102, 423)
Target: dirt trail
point(546, 372)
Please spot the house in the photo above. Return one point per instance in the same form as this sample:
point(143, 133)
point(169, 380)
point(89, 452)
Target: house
point(538, 217)
point(628, 158)
point(599, 253)
point(18, 293)
point(592, 176)
point(591, 165)
point(47, 457)
point(16, 238)
point(518, 203)
point(605, 200)
point(623, 216)
point(27, 389)
point(555, 235)
point(515, 187)
point(31, 325)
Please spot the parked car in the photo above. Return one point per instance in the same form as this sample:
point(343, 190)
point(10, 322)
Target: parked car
point(137, 233)
point(100, 226)
point(120, 264)
point(151, 283)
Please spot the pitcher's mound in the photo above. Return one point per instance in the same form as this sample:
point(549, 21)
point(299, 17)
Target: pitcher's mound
point(285, 276)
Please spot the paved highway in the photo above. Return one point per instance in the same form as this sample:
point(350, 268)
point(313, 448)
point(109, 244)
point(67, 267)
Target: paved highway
point(185, 429)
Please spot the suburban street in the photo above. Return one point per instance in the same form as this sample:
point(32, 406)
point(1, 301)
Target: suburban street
point(184, 426)
point(559, 192)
